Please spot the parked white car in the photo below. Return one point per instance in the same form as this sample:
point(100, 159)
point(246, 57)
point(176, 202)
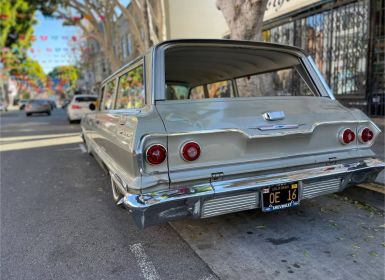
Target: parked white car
point(79, 106)
point(3, 106)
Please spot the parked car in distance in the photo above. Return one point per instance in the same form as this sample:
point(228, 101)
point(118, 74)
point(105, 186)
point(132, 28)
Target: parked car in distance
point(79, 106)
point(37, 106)
point(22, 103)
point(199, 128)
point(3, 106)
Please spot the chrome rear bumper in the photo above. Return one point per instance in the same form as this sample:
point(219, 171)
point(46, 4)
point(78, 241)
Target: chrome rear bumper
point(220, 197)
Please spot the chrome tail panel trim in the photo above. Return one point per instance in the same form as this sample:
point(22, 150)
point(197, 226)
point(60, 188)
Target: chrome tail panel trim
point(310, 190)
point(216, 198)
point(229, 204)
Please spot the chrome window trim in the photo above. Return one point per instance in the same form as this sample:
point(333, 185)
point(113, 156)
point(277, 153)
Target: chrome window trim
point(321, 78)
point(113, 95)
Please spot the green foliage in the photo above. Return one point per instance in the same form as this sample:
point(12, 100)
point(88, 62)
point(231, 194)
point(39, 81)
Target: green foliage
point(18, 17)
point(65, 75)
point(31, 72)
point(34, 71)
point(16, 25)
point(26, 95)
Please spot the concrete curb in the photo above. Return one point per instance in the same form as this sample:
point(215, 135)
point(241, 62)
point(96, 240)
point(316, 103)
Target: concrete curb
point(373, 187)
point(369, 193)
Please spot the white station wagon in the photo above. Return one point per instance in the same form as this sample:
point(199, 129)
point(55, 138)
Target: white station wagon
point(199, 128)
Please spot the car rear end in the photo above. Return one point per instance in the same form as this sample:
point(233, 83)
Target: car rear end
point(79, 106)
point(37, 106)
point(261, 132)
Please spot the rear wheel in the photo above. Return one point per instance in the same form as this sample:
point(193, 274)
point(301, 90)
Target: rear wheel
point(116, 195)
point(49, 113)
point(28, 114)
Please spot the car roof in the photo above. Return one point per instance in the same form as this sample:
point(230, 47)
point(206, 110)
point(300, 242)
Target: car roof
point(220, 42)
point(229, 42)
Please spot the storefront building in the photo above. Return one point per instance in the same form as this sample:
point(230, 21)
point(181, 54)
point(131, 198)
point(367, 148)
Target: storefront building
point(345, 38)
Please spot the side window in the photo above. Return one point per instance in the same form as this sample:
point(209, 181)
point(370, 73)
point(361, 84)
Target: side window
point(197, 93)
point(176, 91)
point(108, 95)
point(131, 90)
point(215, 90)
point(220, 89)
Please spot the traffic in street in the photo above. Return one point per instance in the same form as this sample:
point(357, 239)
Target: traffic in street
point(58, 220)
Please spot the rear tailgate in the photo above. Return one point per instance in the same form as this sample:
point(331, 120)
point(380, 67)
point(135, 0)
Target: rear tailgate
point(84, 103)
point(234, 133)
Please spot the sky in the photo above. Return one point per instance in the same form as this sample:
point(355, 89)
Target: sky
point(55, 44)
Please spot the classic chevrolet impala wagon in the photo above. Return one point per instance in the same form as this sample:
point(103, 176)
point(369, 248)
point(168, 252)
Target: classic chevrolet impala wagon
point(199, 128)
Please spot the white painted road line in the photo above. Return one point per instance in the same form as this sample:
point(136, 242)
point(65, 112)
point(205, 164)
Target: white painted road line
point(36, 137)
point(148, 269)
point(40, 143)
point(82, 148)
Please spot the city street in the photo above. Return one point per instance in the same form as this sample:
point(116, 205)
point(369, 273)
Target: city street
point(58, 221)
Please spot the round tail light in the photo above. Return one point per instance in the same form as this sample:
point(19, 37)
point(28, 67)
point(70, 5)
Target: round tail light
point(365, 135)
point(347, 136)
point(156, 154)
point(190, 151)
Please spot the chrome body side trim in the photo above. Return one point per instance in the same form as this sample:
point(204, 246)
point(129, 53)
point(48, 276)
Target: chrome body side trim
point(158, 207)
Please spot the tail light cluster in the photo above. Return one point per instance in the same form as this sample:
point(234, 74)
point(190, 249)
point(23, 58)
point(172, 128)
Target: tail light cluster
point(347, 135)
point(76, 107)
point(190, 151)
point(157, 153)
point(365, 135)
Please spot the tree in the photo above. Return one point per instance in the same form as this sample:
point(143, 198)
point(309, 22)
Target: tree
point(30, 75)
point(245, 19)
point(99, 20)
point(16, 27)
point(64, 77)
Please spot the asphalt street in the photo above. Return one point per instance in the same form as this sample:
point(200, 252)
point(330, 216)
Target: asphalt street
point(58, 221)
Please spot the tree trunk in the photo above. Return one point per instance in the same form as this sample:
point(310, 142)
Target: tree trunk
point(245, 19)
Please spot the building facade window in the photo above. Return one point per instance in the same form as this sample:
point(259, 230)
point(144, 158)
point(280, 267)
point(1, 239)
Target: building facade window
point(129, 44)
point(123, 41)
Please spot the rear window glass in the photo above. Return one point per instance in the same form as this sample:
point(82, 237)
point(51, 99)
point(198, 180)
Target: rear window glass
point(202, 72)
point(285, 82)
point(86, 99)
